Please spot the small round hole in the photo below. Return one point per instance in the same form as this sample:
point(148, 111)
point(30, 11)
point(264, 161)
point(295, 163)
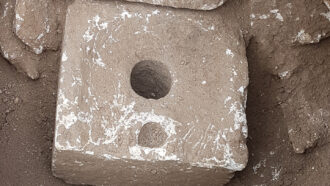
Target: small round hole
point(152, 135)
point(151, 79)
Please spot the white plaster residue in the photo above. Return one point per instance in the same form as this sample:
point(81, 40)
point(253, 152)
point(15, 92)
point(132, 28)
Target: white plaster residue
point(234, 72)
point(64, 57)
point(69, 120)
point(40, 36)
point(276, 173)
point(305, 38)
point(258, 166)
point(110, 157)
point(47, 28)
point(239, 115)
point(78, 162)
point(98, 61)
point(327, 3)
point(94, 26)
point(241, 90)
point(277, 14)
point(64, 117)
point(92, 33)
point(301, 35)
point(19, 21)
point(89, 152)
point(6, 9)
point(147, 16)
point(129, 118)
point(155, 12)
point(38, 50)
point(203, 82)
point(252, 16)
point(326, 15)
point(18, 17)
point(209, 6)
point(211, 27)
point(76, 81)
point(159, 153)
point(202, 25)
point(229, 52)
point(264, 16)
point(245, 131)
point(283, 75)
point(88, 36)
point(228, 162)
point(135, 152)
point(227, 99)
point(125, 14)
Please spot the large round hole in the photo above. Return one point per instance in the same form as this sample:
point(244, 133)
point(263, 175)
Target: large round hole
point(151, 79)
point(152, 135)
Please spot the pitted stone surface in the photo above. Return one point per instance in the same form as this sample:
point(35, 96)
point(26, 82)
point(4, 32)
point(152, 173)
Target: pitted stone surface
point(200, 121)
point(191, 4)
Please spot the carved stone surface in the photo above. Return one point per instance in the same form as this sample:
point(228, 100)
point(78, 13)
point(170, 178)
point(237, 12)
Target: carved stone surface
point(149, 95)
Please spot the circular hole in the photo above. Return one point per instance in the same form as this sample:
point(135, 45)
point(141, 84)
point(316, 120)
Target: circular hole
point(152, 135)
point(151, 79)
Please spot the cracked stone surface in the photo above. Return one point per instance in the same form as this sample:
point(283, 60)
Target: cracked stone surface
point(124, 78)
point(190, 4)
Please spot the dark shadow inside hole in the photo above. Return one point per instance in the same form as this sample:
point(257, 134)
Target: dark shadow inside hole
point(151, 79)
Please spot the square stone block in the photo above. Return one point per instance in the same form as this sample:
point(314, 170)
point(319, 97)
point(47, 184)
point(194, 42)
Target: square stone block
point(149, 96)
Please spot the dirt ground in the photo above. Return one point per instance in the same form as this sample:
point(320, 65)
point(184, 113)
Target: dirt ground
point(288, 102)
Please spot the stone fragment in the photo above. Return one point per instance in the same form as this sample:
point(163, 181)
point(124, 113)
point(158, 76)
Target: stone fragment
point(305, 103)
point(150, 96)
point(306, 38)
point(11, 47)
point(308, 125)
point(327, 14)
point(36, 24)
point(318, 24)
point(190, 4)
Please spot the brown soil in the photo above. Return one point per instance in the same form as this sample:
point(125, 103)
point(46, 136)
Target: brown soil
point(275, 104)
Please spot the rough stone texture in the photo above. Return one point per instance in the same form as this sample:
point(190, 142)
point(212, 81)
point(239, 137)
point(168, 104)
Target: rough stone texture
point(290, 30)
point(308, 121)
point(100, 116)
point(31, 22)
point(318, 30)
point(11, 47)
point(191, 4)
point(36, 24)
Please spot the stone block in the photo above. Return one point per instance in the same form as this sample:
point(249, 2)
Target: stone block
point(149, 95)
